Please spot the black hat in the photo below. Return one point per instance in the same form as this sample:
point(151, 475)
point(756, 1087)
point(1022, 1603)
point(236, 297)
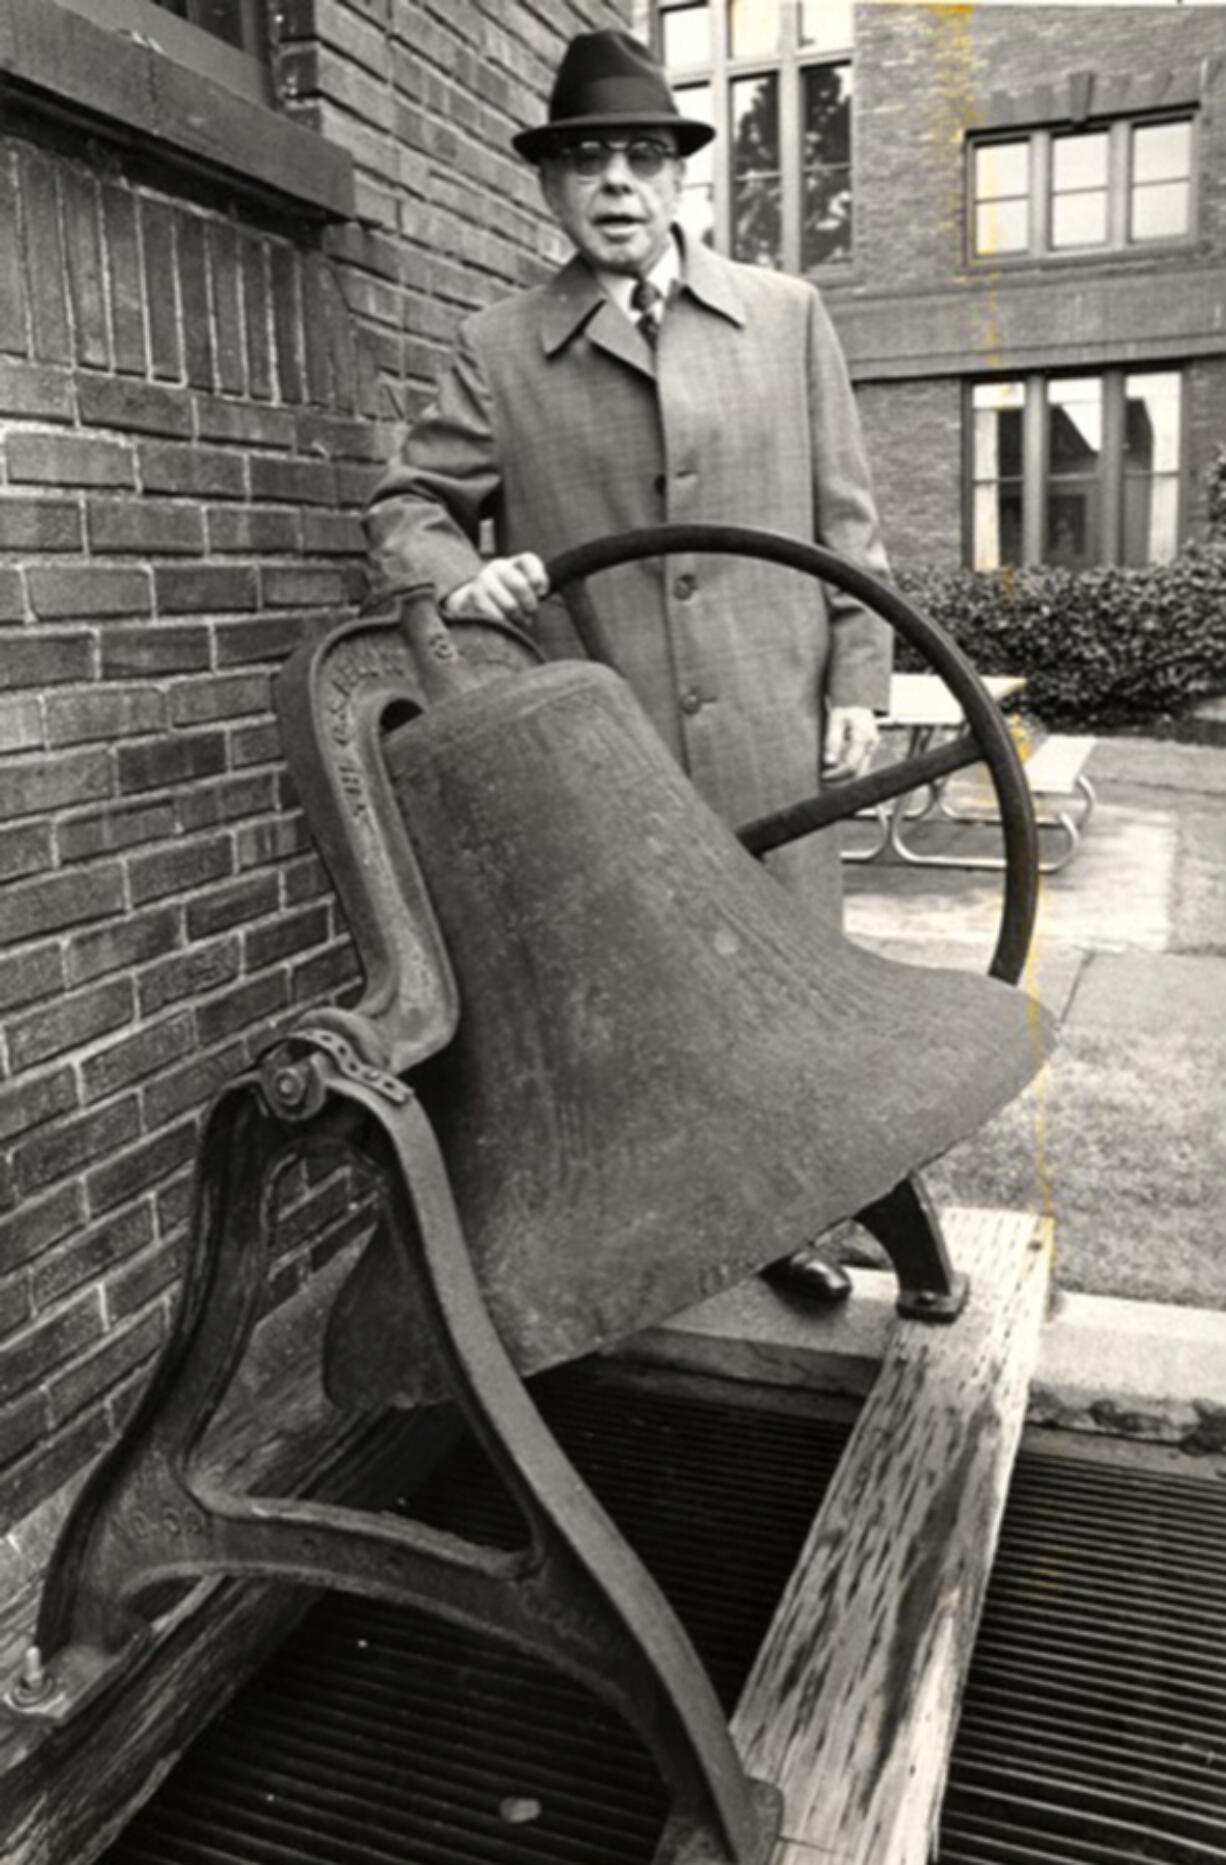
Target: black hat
point(607, 80)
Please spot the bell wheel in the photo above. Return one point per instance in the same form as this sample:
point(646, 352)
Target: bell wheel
point(985, 740)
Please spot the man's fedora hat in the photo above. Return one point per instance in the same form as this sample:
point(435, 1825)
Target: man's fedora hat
point(607, 80)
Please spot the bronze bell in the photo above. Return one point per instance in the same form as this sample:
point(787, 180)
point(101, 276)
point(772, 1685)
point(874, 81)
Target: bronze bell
point(666, 1074)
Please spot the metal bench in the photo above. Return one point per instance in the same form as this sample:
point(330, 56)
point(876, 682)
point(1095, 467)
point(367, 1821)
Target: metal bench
point(1055, 770)
point(1055, 776)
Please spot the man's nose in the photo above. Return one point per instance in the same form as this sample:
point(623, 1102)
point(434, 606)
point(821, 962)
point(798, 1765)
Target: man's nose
point(617, 172)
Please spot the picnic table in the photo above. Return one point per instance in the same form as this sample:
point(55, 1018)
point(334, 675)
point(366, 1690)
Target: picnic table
point(924, 709)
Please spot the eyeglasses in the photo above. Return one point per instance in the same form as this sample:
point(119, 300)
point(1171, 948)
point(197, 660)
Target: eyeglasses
point(645, 157)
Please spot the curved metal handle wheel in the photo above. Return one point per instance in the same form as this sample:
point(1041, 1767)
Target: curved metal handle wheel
point(987, 740)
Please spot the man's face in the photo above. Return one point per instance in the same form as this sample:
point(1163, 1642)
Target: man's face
point(619, 217)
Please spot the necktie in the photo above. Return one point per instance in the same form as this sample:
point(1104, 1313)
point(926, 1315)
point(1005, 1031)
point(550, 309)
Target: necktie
point(646, 299)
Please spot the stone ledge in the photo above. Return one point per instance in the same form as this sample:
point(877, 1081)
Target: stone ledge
point(132, 92)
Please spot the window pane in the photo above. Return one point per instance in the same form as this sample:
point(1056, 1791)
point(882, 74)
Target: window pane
point(1002, 227)
point(1073, 506)
point(826, 174)
point(696, 208)
point(1151, 519)
point(1002, 198)
point(1151, 467)
point(826, 23)
point(1151, 422)
point(1001, 169)
point(1072, 525)
point(232, 20)
point(998, 410)
point(997, 526)
point(998, 443)
point(756, 217)
point(698, 101)
point(696, 212)
point(753, 28)
point(1079, 220)
point(685, 35)
point(1079, 161)
point(1160, 211)
point(1079, 190)
point(1075, 425)
point(1162, 152)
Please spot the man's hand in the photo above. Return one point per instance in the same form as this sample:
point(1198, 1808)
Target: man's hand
point(851, 739)
point(506, 589)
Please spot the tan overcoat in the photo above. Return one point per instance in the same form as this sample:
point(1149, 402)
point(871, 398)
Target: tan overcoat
point(556, 420)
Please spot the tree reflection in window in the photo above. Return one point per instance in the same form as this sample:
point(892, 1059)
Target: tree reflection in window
point(826, 183)
point(757, 220)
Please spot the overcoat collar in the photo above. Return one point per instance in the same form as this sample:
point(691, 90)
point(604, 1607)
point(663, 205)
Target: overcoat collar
point(574, 298)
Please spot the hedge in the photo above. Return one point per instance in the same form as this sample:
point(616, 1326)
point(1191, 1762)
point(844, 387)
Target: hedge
point(1102, 647)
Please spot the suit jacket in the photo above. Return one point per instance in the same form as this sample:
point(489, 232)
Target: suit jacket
point(558, 421)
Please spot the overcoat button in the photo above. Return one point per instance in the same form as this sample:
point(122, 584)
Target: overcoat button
point(691, 701)
point(684, 587)
point(661, 484)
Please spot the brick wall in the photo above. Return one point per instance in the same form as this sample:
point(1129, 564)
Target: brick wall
point(913, 432)
point(195, 395)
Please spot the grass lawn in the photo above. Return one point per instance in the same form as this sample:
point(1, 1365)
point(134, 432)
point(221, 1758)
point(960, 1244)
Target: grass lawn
point(1123, 1142)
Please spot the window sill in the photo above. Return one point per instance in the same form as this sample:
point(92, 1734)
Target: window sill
point(981, 265)
point(134, 93)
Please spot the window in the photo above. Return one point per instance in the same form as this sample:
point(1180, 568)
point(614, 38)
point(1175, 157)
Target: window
point(1103, 188)
point(775, 78)
point(226, 40)
point(132, 71)
point(238, 22)
point(1076, 470)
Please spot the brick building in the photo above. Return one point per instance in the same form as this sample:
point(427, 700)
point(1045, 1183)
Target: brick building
point(230, 266)
point(1016, 214)
point(232, 262)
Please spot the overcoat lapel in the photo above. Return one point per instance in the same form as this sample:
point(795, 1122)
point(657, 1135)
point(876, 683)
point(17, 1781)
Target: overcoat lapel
point(573, 300)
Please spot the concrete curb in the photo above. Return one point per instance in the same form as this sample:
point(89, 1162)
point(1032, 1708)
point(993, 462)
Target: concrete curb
point(1145, 1371)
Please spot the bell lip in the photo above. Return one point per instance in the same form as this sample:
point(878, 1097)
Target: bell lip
point(534, 144)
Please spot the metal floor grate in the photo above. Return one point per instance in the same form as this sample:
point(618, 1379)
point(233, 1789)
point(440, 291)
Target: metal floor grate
point(1094, 1728)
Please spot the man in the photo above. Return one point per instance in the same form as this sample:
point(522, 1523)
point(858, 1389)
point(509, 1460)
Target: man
point(651, 381)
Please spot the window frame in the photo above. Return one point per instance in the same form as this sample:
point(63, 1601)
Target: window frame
point(246, 71)
point(57, 60)
point(789, 60)
point(1120, 241)
point(1035, 476)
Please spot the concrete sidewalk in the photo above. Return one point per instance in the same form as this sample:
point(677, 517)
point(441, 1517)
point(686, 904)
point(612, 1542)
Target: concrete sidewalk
point(1124, 1139)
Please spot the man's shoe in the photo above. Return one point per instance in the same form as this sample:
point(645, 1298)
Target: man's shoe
point(808, 1280)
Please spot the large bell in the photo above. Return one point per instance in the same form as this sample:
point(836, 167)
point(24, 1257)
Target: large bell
point(665, 1074)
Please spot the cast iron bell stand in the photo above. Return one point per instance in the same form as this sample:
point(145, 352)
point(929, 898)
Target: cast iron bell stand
point(576, 1593)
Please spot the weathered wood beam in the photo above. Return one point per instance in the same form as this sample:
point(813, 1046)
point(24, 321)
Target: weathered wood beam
point(851, 1706)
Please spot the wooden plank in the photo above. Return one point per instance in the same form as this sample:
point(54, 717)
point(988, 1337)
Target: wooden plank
point(851, 1706)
